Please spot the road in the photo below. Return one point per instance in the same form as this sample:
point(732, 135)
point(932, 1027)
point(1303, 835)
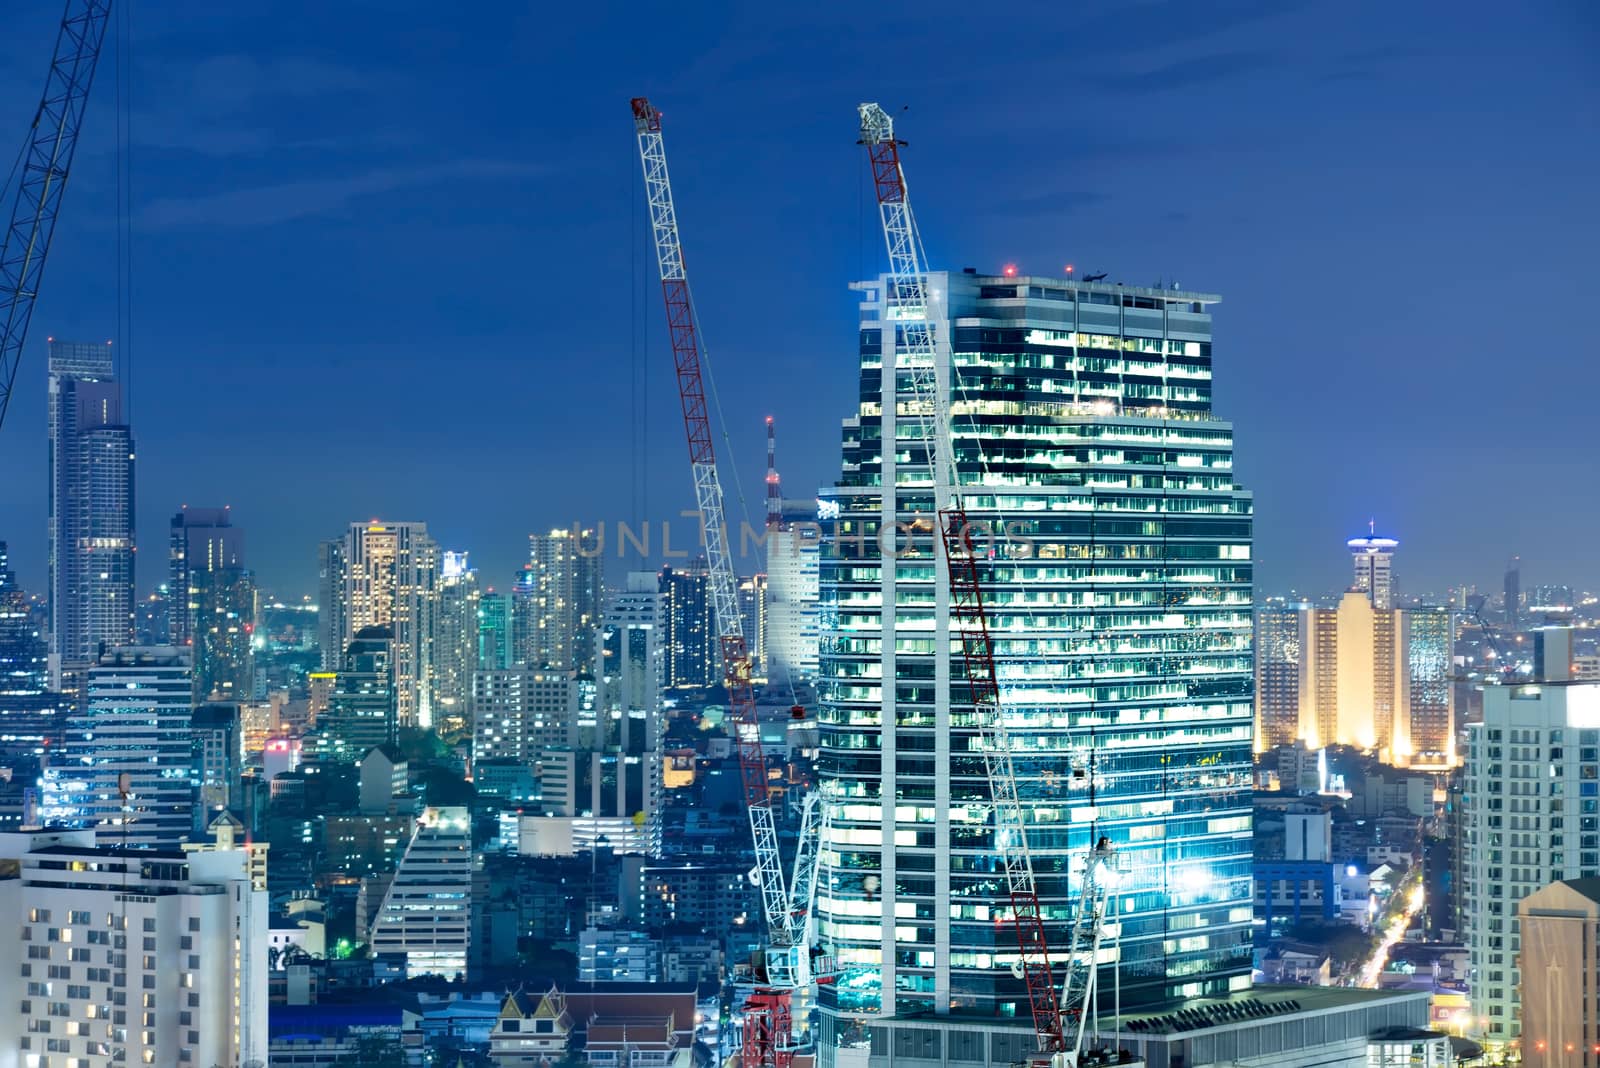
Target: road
point(1393, 931)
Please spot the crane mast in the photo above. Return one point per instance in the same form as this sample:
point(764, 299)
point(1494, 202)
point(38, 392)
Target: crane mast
point(769, 1027)
point(912, 306)
point(46, 161)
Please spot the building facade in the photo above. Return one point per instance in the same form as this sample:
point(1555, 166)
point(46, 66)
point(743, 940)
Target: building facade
point(137, 724)
point(1373, 557)
point(201, 540)
point(361, 710)
point(131, 957)
point(1560, 931)
point(30, 714)
point(693, 655)
point(518, 711)
point(1531, 809)
point(1119, 592)
point(426, 916)
point(455, 644)
point(91, 510)
point(386, 574)
point(793, 554)
point(565, 573)
point(622, 793)
point(222, 629)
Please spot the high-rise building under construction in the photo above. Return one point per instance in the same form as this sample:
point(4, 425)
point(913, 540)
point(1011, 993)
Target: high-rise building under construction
point(1118, 590)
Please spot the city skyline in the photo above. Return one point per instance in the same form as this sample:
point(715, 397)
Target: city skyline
point(1261, 202)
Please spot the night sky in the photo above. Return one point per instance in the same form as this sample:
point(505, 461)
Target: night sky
point(390, 259)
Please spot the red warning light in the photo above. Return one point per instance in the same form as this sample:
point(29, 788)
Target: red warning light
point(1010, 270)
point(1069, 268)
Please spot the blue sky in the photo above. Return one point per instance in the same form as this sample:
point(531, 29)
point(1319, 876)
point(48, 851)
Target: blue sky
point(390, 260)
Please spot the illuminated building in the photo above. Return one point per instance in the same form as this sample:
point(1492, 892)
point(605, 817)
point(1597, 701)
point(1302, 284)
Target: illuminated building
point(1531, 805)
point(1120, 599)
point(30, 718)
point(426, 915)
point(515, 711)
point(386, 575)
point(455, 642)
point(693, 657)
point(91, 511)
point(223, 602)
point(793, 550)
point(1560, 931)
point(1374, 568)
point(202, 540)
point(753, 612)
point(218, 748)
point(494, 631)
point(172, 942)
point(361, 708)
point(564, 600)
point(137, 723)
point(1361, 675)
point(623, 793)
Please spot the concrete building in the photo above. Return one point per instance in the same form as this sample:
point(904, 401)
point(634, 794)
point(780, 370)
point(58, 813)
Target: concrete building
point(137, 724)
point(565, 600)
point(693, 657)
point(793, 555)
point(91, 511)
point(1378, 678)
point(386, 574)
point(517, 711)
point(1531, 806)
point(624, 789)
point(1560, 974)
point(617, 956)
point(153, 956)
point(1120, 599)
point(426, 915)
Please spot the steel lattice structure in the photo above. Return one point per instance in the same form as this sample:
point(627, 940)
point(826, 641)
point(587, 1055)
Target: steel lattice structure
point(768, 1029)
point(46, 161)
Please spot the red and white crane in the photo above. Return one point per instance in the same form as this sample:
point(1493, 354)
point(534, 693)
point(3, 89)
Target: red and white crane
point(769, 1027)
point(913, 306)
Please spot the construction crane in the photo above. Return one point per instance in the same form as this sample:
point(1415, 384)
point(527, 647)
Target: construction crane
point(45, 162)
point(913, 306)
point(769, 1027)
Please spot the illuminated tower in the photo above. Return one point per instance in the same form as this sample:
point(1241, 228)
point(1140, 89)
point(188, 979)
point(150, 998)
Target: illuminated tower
point(1373, 556)
point(1119, 597)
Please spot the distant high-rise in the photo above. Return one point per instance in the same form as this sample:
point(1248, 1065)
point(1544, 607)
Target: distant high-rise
point(566, 580)
point(455, 643)
point(137, 723)
point(693, 656)
point(793, 552)
point(361, 710)
point(217, 741)
point(386, 574)
point(222, 628)
point(1374, 560)
point(518, 711)
point(494, 631)
point(91, 510)
point(753, 612)
point(426, 916)
point(1513, 594)
point(29, 712)
point(623, 793)
point(1278, 658)
point(202, 540)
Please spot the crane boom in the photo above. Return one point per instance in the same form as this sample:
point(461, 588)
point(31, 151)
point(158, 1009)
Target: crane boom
point(786, 957)
point(909, 305)
point(46, 161)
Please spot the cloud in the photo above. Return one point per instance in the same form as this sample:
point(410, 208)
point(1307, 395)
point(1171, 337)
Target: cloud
point(273, 204)
point(1187, 73)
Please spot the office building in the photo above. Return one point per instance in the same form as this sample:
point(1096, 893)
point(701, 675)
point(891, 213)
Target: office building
point(793, 551)
point(202, 540)
point(753, 613)
point(91, 511)
point(152, 957)
point(137, 723)
point(222, 631)
point(1560, 931)
point(217, 745)
point(426, 915)
point(494, 631)
point(564, 576)
point(1375, 678)
point(1531, 806)
point(455, 644)
point(1120, 598)
point(30, 714)
point(386, 575)
point(361, 709)
point(693, 654)
point(1373, 556)
point(518, 711)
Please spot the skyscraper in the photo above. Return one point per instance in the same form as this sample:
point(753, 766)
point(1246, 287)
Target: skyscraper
point(1278, 658)
point(494, 630)
point(29, 712)
point(1373, 557)
point(693, 656)
point(91, 510)
point(455, 644)
point(622, 791)
point(563, 588)
point(793, 550)
point(361, 710)
point(1120, 591)
point(1513, 594)
point(138, 724)
point(387, 574)
point(202, 540)
point(222, 625)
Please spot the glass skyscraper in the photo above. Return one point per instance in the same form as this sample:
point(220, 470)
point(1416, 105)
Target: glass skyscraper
point(1118, 584)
